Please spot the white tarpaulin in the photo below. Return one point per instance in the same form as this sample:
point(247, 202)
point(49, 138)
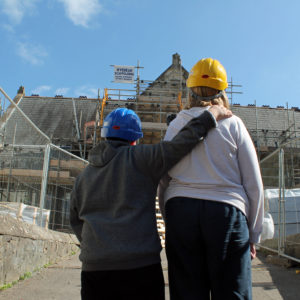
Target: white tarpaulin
point(124, 74)
point(292, 209)
point(268, 227)
point(29, 214)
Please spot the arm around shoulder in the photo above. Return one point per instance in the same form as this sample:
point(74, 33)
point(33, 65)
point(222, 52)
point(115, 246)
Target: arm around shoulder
point(186, 139)
point(159, 158)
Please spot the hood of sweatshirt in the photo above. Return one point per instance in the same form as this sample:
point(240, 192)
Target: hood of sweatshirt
point(104, 152)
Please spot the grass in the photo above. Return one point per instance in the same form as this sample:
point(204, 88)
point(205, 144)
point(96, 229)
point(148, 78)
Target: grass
point(22, 277)
point(47, 265)
point(26, 275)
point(8, 285)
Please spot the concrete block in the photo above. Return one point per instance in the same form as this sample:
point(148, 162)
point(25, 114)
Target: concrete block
point(279, 261)
point(26, 248)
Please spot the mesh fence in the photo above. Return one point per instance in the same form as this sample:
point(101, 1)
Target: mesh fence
point(63, 169)
point(20, 181)
point(281, 177)
point(36, 182)
point(36, 177)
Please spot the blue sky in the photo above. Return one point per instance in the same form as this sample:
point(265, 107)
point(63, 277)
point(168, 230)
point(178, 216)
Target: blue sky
point(67, 46)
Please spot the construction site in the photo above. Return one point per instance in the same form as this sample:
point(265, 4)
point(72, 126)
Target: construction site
point(45, 142)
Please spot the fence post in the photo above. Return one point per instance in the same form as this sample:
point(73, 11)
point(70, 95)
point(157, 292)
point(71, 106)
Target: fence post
point(281, 205)
point(44, 182)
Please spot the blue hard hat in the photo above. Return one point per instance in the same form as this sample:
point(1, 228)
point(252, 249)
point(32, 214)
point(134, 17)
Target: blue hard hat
point(122, 123)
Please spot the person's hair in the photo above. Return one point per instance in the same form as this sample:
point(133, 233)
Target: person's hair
point(204, 91)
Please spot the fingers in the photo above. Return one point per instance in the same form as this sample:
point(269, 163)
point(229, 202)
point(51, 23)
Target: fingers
point(252, 250)
point(220, 112)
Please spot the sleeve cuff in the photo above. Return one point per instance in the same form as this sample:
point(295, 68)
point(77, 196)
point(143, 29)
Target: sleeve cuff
point(255, 237)
point(212, 118)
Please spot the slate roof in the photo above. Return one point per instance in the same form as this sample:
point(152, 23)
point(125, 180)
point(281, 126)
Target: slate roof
point(53, 116)
point(267, 118)
point(269, 125)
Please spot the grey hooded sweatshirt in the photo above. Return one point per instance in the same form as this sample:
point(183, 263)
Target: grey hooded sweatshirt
point(112, 210)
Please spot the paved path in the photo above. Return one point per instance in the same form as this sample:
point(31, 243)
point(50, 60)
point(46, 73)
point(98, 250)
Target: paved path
point(61, 281)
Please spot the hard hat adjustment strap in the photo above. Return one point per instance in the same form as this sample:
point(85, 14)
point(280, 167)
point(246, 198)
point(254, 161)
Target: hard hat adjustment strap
point(200, 98)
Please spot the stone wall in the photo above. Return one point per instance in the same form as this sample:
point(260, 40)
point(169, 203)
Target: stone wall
point(27, 248)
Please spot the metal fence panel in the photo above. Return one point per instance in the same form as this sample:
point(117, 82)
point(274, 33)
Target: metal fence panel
point(280, 173)
point(21, 168)
point(63, 169)
point(36, 183)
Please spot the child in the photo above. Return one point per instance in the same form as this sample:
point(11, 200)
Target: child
point(112, 209)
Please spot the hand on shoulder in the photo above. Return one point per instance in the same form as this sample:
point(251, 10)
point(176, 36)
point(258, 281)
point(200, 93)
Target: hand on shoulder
point(220, 112)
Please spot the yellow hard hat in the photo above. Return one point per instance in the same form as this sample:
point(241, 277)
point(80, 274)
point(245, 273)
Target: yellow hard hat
point(208, 72)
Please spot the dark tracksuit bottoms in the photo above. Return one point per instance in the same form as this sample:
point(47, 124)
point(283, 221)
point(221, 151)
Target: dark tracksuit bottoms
point(145, 283)
point(207, 246)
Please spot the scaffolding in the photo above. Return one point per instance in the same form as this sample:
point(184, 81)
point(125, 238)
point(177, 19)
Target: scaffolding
point(36, 180)
point(41, 176)
point(153, 101)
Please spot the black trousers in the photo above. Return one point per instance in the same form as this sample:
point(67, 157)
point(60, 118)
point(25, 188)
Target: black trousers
point(145, 283)
point(207, 246)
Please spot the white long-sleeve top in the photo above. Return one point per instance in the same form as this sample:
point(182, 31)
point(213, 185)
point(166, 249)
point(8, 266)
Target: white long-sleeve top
point(224, 168)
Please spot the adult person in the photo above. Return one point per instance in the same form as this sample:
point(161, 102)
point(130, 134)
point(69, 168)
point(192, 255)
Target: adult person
point(213, 200)
point(112, 209)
